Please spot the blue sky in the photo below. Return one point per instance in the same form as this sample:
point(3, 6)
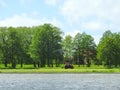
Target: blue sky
point(91, 16)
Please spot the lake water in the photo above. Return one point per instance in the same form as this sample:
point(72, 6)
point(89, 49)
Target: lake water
point(59, 81)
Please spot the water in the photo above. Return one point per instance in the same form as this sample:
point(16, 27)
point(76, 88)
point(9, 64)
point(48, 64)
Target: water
point(59, 81)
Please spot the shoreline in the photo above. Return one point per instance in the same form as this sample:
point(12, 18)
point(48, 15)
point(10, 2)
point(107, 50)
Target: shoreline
point(59, 71)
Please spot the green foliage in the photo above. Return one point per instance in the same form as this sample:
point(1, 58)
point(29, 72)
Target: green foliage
point(14, 45)
point(44, 46)
point(67, 46)
point(84, 47)
point(109, 49)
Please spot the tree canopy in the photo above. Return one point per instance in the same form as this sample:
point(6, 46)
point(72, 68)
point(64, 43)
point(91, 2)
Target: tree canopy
point(109, 49)
point(45, 45)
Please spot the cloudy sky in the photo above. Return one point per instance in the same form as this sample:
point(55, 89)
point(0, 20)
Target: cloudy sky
point(91, 16)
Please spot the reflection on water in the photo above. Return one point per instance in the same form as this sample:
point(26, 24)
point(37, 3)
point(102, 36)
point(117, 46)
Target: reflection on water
point(59, 81)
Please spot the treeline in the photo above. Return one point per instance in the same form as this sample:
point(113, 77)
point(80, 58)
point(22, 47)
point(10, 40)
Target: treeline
point(45, 46)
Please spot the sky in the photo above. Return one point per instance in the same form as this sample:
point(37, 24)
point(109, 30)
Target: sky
point(93, 17)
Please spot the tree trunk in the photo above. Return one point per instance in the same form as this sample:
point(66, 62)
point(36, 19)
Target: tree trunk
point(56, 63)
point(48, 62)
point(38, 64)
point(13, 64)
point(21, 64)
point(88, 62)
point(5, 63)
point(52, 63)
point(34, 64)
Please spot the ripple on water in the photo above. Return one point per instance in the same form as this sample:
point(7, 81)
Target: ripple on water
point(59, 82)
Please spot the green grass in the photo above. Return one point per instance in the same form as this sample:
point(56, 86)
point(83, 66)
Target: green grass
point(17, 67)
point(81, 69)
point(59, 70)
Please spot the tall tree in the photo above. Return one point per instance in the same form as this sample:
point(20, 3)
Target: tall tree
point(45, 42)
point(85, 47)
point(25, 35)
point(67, 46)
point(4, 45)
point(109, 49)
point(78, 51)
point(15, 47)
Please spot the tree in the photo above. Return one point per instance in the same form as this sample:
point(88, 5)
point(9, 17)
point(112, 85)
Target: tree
point(15, 47)
point(78, 53)
point(4, 47)
point(85, 47)
point(45, 42)
point(67, 46)
point(25, 35)
point(109, 49)
point(89, 47)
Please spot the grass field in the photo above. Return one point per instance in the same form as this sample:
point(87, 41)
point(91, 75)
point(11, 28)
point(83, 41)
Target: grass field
point(59, 70)
point(81, 69)
point(30, 66)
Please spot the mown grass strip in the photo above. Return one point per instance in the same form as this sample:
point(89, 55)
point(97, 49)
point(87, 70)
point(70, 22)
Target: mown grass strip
point(59, 70)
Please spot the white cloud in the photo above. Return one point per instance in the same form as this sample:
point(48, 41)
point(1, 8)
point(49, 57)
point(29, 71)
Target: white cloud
point(94, 25)
point(86, 11)
point(75, 9)
point(25, 20)
point(84, 8)
point(51, 2)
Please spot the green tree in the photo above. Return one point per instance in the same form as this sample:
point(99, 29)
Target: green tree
point(15, 47)
point(45, 42)
point(78, 52)
point(4, 46)
point(85, 48)
point(25, 35)
point(109, 49)
point(67, 46)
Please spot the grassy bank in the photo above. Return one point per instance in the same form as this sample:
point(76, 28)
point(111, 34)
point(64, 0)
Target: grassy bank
point(59, 70)
point(81, 69)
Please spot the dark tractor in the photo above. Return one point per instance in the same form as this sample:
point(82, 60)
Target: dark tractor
point(68, 65)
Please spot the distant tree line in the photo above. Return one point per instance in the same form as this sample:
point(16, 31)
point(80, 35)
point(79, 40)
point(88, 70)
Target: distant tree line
point(45, 45)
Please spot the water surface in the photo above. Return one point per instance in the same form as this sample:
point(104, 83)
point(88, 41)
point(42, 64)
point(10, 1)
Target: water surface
point(59, 81)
